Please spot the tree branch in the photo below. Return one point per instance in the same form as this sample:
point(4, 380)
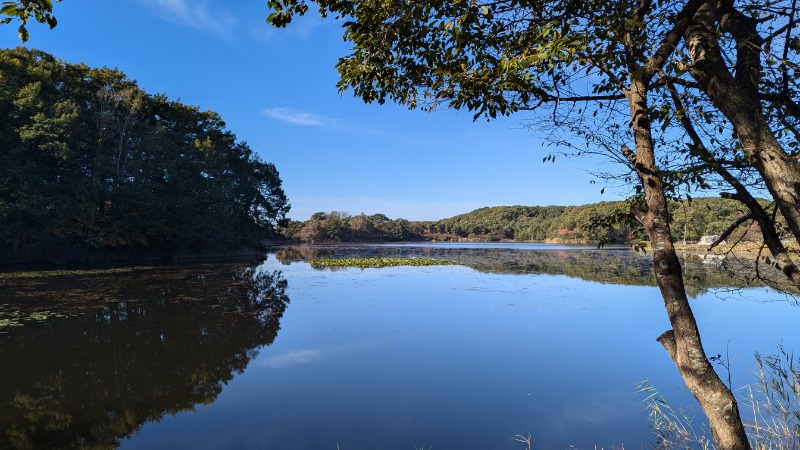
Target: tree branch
point(757, 213)
point(790, 106)
point(664, 79)
point(577, 99)
point(730, 230)
point(667, 339)
point(656, 62)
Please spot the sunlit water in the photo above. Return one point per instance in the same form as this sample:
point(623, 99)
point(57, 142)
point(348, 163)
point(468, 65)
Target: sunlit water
point(442, 357)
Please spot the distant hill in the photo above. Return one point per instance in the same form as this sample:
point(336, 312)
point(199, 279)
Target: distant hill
point(569, 224)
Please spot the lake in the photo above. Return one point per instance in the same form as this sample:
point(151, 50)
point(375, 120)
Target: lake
point(519, 339)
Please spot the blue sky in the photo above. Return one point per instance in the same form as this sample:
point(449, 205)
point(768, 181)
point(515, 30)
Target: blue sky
point(275, 89)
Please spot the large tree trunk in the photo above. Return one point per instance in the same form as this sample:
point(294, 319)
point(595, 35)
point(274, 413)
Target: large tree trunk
point(743, 195)
point(682, 342)
point(737, 97)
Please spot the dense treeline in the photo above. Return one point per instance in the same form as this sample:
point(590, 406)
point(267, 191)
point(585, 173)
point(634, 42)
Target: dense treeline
point(690, 221)
point(570, 224)
point(92, 167)
point(337, 226)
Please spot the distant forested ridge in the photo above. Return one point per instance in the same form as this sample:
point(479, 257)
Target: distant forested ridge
point(566, 224)
point(336, 226)
point(94, 168)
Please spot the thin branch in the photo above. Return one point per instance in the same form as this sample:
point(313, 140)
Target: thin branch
point(730, 230)
point(577, 99)
point(757, 213)
point(790, 106)
point(611, 75)
point(664, 79)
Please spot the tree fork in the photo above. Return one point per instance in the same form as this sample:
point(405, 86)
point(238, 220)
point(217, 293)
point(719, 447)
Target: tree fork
point(766, 224)
point(736, 97)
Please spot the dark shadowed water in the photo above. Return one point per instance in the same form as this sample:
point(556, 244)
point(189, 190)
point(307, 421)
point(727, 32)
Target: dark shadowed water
point(520, 339)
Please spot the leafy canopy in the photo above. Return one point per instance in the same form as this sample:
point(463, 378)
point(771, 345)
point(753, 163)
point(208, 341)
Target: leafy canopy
point(492, 57)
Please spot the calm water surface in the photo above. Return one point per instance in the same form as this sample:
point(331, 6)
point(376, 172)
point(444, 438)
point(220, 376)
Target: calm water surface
point(521, 339)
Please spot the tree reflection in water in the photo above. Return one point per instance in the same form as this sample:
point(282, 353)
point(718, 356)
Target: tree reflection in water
point(90, 380)
point(617, 265)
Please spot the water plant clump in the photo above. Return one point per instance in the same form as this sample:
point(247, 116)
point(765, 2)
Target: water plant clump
point(69, 272)
point(13, 318)
point(365, 263)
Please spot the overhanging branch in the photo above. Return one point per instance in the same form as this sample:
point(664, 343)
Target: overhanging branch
point(576, 99)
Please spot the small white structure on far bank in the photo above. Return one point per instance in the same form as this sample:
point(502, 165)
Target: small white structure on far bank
point(709, 239)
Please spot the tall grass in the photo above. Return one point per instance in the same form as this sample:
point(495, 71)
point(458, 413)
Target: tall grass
point(673, 428)
point(775, 402)
point(773, 399)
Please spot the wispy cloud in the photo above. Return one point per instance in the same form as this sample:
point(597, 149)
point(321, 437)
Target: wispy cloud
point(308, 119)
point(194, 14)
point(295, 117)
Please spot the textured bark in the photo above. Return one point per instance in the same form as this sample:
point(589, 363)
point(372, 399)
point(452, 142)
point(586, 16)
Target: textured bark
point(682, 342)
point(737, 97)
point(757, 213)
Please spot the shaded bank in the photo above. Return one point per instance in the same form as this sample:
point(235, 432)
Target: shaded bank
point(83, 259)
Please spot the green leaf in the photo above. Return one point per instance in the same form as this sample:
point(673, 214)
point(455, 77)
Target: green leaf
point(9, 9)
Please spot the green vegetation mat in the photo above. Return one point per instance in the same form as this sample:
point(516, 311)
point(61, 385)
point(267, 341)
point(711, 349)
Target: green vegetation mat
point(68, 272)
point(10, 319)
point(379, 262)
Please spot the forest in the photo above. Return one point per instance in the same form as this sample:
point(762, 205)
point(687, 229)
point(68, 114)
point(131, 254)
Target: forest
point(94, 169)
point(691, 219)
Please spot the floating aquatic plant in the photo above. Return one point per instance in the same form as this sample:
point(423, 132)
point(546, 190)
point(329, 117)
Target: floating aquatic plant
point(68, 272)
point(364, 263)
point(15, 318)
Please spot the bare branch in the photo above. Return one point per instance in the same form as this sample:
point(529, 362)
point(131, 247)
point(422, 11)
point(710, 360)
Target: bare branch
point(730, 230)
point(578, 99)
